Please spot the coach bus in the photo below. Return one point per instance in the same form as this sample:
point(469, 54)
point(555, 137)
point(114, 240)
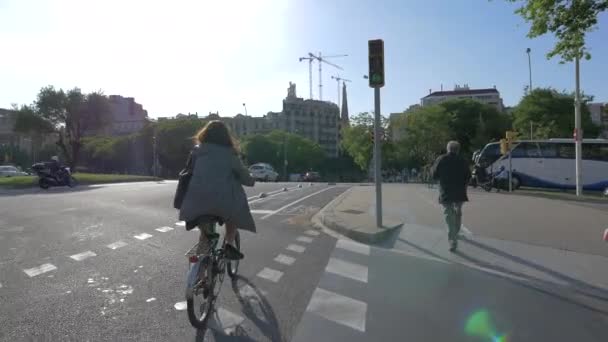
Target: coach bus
point(550, 163)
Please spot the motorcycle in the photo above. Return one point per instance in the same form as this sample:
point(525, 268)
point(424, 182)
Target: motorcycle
point(480, 177)
point(47, 178)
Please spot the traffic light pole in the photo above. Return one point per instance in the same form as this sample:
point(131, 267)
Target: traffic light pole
point(377, 157)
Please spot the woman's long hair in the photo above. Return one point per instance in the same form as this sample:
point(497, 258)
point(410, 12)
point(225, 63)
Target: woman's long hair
point(216, 132)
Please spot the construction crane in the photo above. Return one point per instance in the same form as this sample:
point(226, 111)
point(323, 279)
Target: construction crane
point(338, 79)
point(322, 59)
point(310, 60)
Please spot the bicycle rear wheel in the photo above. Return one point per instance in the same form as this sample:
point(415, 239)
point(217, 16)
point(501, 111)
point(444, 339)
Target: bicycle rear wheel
point(233, 265)
point(200, 304)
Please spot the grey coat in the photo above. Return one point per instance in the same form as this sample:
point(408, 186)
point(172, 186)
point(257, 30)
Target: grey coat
point(216, 187)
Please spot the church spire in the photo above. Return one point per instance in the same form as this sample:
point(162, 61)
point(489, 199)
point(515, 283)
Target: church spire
point(344, 113)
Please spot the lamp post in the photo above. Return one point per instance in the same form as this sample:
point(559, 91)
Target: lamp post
point(528, 50)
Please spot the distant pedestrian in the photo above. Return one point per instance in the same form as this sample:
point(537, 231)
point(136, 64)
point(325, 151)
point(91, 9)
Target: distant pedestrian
point(453, 174)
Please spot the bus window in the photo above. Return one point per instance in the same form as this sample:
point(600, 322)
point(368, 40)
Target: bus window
point(548, 150)
point(566, 151)
point(489, 154)
point(603, 152)
point(519, 151)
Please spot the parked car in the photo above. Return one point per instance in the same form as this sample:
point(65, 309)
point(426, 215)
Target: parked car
point(263, 172)
point(312, 176)
point(11, 171)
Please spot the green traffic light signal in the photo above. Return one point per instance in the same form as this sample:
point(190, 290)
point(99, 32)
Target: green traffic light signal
point(376, 63)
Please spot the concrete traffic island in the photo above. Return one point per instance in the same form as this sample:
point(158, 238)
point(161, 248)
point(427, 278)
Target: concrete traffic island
point(352, 214)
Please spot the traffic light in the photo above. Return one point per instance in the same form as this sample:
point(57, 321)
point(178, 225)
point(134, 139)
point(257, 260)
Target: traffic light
point(372, 136)
point(376, 63)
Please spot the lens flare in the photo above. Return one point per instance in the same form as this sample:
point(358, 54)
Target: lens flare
point(479, 325)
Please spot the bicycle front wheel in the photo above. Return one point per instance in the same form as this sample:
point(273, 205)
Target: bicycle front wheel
point(233, 265)
point(200, 304)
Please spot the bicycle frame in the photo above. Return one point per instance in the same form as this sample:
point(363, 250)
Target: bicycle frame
point(196, 261)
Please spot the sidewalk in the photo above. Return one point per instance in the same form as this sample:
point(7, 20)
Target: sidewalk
point(352, 215)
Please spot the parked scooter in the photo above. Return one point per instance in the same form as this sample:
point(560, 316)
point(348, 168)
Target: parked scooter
point(47, 177)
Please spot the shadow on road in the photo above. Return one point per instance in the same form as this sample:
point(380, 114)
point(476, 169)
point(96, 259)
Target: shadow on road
point(533, 283)
point(257, 309)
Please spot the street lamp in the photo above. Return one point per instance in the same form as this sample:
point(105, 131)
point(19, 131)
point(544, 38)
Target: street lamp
point(245, 106)
point(528, 50)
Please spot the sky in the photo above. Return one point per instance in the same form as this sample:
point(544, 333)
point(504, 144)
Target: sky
point(187, 56)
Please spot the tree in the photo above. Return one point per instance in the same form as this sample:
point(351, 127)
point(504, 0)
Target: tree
point(357, 139)
point(70, 114)
point(569, 20)
point(174, 140)
point(550, 113)
point(474, 124)
point(427, 132)
point(302, 154)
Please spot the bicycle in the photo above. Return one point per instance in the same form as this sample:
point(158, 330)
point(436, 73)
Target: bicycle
point(206, 274)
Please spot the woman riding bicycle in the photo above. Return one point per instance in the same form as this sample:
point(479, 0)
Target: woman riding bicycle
point(216, 187)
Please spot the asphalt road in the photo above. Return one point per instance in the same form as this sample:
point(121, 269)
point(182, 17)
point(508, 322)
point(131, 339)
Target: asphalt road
point(108, 274)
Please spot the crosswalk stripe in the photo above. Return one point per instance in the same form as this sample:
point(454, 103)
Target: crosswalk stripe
point(83, 255)
point(347, 269)
point(180, 224)
point(338, 308)
point(143, 236)
point(164, 229)
point(312, 232)
point(353, 246)
point(34, 271)
point(285, 259)
point(270, 274)
point(179, 306)
point(305, 239)
point(117, 244)
point(296, 248)
point(225, 321)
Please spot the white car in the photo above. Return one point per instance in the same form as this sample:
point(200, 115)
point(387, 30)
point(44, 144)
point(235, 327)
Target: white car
point(10, 171)
point(263, 172)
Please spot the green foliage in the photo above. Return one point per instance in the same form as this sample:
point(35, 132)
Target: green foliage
point(70, 113)
point(302, 154)
point(357, 142)
point(174, 140)
point(10, 154)
point(569, 20)
point(428, 130)
point(551, 113)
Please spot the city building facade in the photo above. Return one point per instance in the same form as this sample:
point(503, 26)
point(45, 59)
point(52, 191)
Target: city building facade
point(127, 117)
point(489, 96)
point(30, 143)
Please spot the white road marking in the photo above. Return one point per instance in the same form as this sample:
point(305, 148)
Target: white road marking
point(150, 300)
point(353, 246)
point(249, 292)
point(117, 244)
point(295, 202)
point(179, 306)
point(164, 229)
point(261, 211)
point(83, 255)
point(225, 321)
point(180, 224)
point(347, 269)
point(312, 232)
point(34, 271)
point(143, 236)
point(466, 231)
point(296, 248)
point(0, 285)
point(285, 259)
point(305, 239)
point(259, 196)
point(338, 308)
point(270, 274)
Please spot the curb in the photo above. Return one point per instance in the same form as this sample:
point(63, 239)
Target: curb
point(330, 227)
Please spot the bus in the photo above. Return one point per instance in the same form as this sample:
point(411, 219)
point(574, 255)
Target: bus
point(550, 163)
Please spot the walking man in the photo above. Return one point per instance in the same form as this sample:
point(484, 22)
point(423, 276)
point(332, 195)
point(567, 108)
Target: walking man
point(453, 174)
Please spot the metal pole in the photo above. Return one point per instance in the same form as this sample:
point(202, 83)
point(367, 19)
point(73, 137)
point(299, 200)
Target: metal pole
point(531, 130)
point(529, 69)
point(320, 78)
point(510, 172)
point(154, 156)
point(285, 157)
point(377, 157)
point(578, 131)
